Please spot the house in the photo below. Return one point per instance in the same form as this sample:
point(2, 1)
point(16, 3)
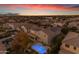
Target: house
point(58, 24)
point(70, 43)
point(42, 35)
point(74, 24)
point(45, 35)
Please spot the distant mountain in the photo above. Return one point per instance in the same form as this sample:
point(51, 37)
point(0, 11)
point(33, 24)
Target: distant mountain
point(9, 14)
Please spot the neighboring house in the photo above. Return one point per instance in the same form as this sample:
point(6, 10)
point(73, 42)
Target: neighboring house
point(70, 43)
point(74, 24)
point(58, 24)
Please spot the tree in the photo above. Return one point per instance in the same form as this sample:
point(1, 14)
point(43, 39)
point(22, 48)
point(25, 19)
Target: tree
point(2, 48)
point(73, 29)
point(20, 43)
point(56, 43)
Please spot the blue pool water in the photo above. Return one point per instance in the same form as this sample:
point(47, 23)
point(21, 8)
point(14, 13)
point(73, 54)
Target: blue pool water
point(39, 48)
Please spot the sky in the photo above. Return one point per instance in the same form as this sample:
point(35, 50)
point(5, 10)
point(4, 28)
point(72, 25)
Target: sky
point(40, 9)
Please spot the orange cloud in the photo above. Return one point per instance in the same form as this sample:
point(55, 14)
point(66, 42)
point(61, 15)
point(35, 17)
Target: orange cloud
point(39, 6)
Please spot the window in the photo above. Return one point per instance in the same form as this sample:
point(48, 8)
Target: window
point(66, 45)
point(74, 48)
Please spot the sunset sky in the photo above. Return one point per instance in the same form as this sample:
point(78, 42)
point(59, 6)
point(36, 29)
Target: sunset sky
point(40, 9)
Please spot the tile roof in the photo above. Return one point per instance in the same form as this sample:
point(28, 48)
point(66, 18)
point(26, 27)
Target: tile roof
point(72, 38)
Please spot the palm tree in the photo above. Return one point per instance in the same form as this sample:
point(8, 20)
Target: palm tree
point(21, 43)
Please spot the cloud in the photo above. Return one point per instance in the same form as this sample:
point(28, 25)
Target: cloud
point(40, 8)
